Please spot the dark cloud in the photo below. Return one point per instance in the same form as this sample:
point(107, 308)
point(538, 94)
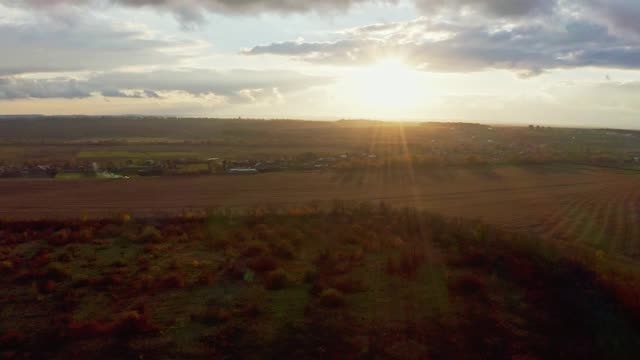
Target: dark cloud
point(500, 8)
point(526, 49)
point(132, 94)
point(236, 85)
point(193, 10)
point(344, 52)
point(619, 14)
point(622, 13)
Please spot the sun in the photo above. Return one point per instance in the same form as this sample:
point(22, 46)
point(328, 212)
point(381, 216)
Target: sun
point(390, 85)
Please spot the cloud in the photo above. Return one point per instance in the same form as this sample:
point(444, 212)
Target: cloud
point(191, 10)
point(499, 8)
point(622, 15)
point(87, 44)
point(236, 86)
point(434, 45)
point(12, 88)
point(528, 37)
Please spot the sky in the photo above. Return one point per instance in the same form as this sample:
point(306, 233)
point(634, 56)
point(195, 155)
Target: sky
point(547, 62)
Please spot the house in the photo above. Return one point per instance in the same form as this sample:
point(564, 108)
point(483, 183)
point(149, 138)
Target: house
point(243, 171)
point(40, 171)
point(9, 172)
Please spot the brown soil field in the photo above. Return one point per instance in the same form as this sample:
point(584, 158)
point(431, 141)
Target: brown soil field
point(559, 201)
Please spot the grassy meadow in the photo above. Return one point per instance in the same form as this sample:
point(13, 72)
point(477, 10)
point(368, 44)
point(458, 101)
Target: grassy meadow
point(352, 281)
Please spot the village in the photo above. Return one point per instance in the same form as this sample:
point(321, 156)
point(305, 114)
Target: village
point(468, 148)
point(173, 167)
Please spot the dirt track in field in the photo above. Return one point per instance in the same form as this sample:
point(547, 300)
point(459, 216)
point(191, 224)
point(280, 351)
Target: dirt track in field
point(519, 197)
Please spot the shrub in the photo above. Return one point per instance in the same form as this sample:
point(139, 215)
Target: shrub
point(132, 323)
point(206, 278)
point(469, 284)
point(127, 325)
point(106, 281)
point(5, 266)
point(330, 262)
point(263, 264)
point(250, 310)
point(110, 231)
point(65, 257)
point(40, 260)
point(142, 283)
point(143, 263)
point(277, 279)
point(310, 276)
point(150, 234)
point(57, 271)
point(407, 263)
point(254, 249)
point(12, 339)
point(60, 237)
point(83, 235)
point(174, 281)
point(81, 281)
point(47, 286)
point(332, 298)
point(89, 329)
point(181, 238)
point(213, 316)
point(283, 249)
point(219, 242)
point(348, 284)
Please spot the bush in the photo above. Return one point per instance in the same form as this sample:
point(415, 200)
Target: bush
point(469, 284)
point(132, 323)
point(213, 316)
point(105, 282)
point(175, 281)
point(283, 249)
point(332, 298)
point(110, 231)
point(12, 339)
point(47, 286)
point(310, 276)
point(277, 279)
point(40, 260)
point(60, 237)
point(83, 235)
point(150, 234)
point(254, 249)
point(407, 263)
point(263, 264)
point(57, 271)
point(5, 266)
point(348, 284)
point(81, 281)
point(206, 278)
point(127, 325)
